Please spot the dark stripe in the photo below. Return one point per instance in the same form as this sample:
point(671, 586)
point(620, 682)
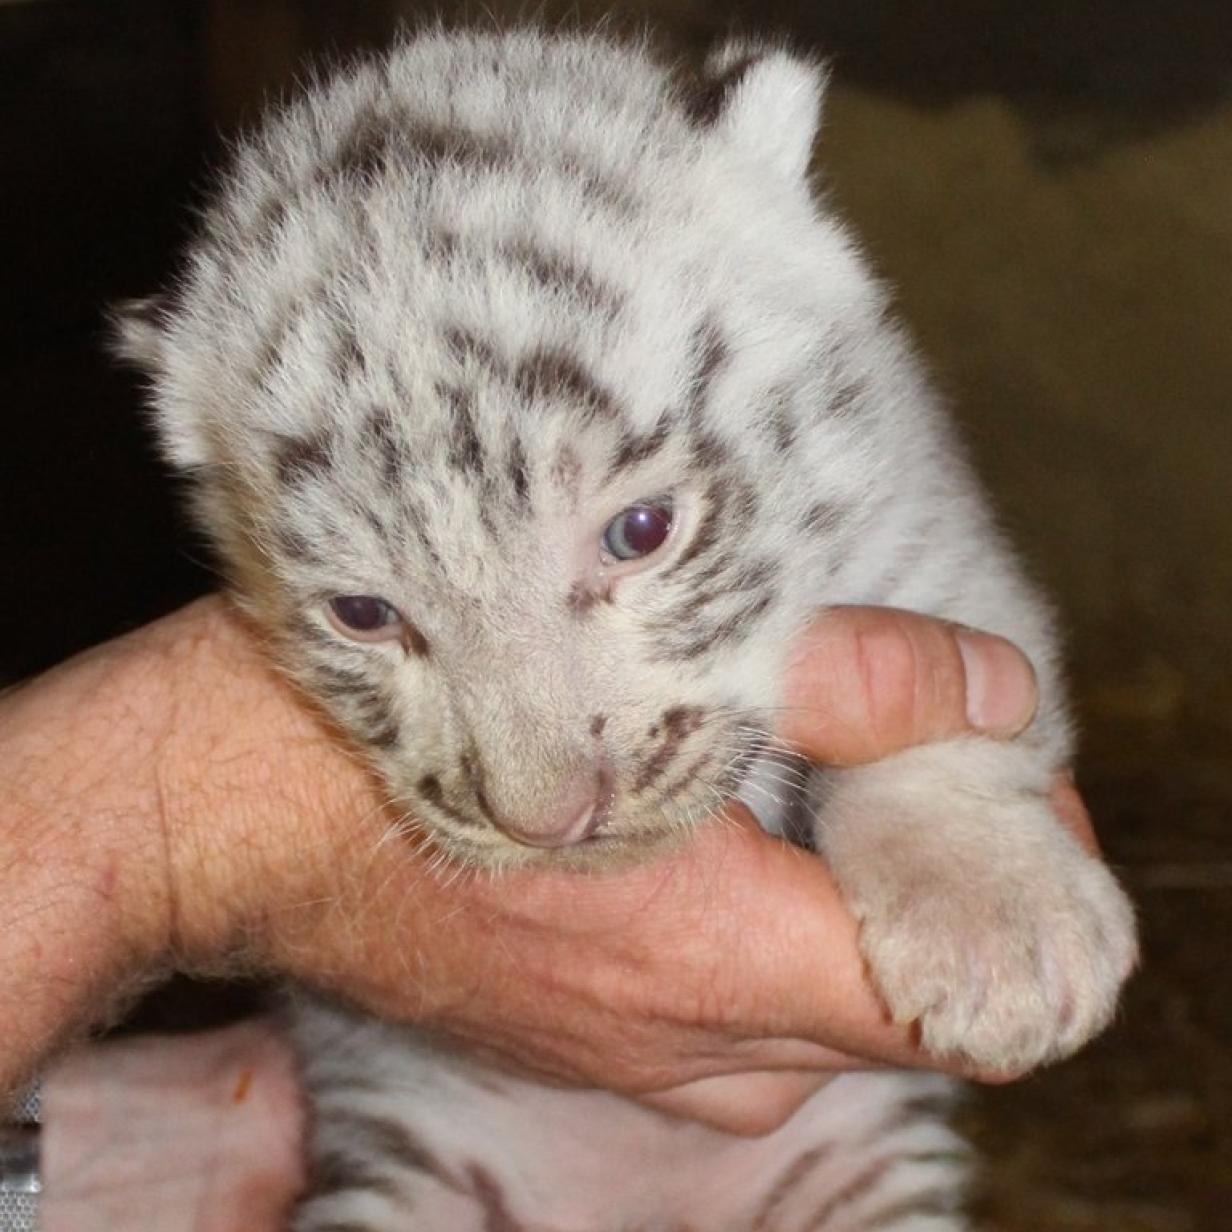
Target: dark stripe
point(483, 507)
point(272, 340)
point(347, 355)
point(434, 143)
point(744, 502)
point(298, 458)
point(705, 98)
point(736, 627)
point(635, 448)
point(376, 523)
point(707, 533)
point(376, 141)
point(932, 1107)
point(847, 399)
point(782, 422)
point(712, 355)
point(559, 275)
point(415, 520)
point(384, 439)
point(333, 1171)
point(860, 1185)
point(496, 1214)
point(466, 347)
point(385, 737)
point(582, 598)
point(262, 226)
point(597, 723)
point(367, 707)
point(473, 774)
point(599, 187)
point(518, 474)
point(823, 518)
point(935, 1202)
point(364, 151)
point(465, 452)
point(295, 546)
point(707, 450)
point(551, 373)
point(307, 631)
point(755, 576)
point(481, 800)
point(440, 244)
point(339, 681)
point(678, 722)
point(390, 1139)
point(724, 563)
point(371, 721)
point(674, 788)
point(429, 787)
point(414, 642)
point(785, 1186)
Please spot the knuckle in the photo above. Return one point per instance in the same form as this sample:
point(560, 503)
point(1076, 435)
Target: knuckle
point(888, 664)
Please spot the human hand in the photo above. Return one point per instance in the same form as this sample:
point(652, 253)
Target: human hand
point(734, 955)
point(723, 983)
point(218, 825)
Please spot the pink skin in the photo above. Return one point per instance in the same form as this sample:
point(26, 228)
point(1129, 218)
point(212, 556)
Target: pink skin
point(579, 815)
point(197, 1133)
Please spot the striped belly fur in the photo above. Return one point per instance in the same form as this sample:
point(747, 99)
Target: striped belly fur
point(411, 1137)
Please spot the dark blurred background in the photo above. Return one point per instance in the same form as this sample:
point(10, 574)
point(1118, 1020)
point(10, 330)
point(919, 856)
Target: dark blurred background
point(1048, 185)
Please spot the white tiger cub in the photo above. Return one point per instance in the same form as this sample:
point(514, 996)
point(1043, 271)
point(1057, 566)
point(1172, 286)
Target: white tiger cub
point(535, 405)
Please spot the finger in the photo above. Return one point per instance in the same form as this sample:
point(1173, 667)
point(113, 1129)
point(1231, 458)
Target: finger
point(799, 973)
point(868, 682)
point(749, 1105)
point(786, 969)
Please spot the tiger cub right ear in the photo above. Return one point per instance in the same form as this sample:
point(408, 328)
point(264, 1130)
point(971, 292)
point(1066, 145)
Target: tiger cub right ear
point(764, 99)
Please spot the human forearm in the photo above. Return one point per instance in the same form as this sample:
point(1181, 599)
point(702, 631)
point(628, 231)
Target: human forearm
point(82, 898)
point(166, 794)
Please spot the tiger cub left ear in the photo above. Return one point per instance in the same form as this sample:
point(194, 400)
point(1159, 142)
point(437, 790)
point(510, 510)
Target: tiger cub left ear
point(138, 332)
point(765, 100)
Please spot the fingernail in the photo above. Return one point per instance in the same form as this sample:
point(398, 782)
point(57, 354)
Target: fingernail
point(1001, 694)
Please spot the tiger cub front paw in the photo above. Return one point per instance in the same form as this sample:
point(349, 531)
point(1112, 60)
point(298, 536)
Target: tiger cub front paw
point(982, 919)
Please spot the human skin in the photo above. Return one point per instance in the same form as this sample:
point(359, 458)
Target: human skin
point(174, 804)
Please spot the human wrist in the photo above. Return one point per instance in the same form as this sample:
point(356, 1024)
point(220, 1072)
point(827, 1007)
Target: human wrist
point(259, 803)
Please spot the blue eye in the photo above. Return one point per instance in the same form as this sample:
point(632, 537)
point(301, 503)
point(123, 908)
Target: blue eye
point(364, 617)
point(639, 530)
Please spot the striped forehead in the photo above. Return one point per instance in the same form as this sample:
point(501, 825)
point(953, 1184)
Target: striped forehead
point(507, 422)
point(471, 334)
point(507, 442)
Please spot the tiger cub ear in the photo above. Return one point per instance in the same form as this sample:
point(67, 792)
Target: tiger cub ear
point(139, 332)
point(764, 99)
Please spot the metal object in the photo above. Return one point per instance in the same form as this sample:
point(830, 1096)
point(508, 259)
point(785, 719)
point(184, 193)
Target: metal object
point(20, 1181)
point(19, 1159)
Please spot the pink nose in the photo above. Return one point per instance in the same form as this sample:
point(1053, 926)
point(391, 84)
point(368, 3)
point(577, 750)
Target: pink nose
point(578, 814)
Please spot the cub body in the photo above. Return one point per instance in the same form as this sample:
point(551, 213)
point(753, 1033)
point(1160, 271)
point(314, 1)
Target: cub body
point(535, 405)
